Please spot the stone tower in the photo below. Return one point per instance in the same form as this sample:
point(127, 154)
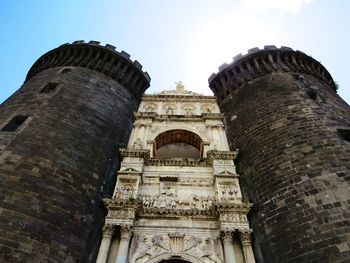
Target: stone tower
point(59, 135)
point(293, 133)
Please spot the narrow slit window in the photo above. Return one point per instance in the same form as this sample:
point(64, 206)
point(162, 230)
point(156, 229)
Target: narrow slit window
point(49, 88)
point(15, 123)
point(345, 134)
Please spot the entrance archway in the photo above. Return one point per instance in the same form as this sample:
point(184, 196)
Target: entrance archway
point(179, 258)
point(174, 260)
point(178, 144)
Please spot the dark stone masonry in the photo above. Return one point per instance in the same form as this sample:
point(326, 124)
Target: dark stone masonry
point(58, 151)
point(292, 130)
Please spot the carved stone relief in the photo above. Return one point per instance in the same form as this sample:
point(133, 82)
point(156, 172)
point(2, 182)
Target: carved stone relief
point(196, 181)
point(137, 144)
point(124, 191)
point(188, 109)
point(126, 187)
point(150, 107)
point(145, 247)
point(169, 108)
point(171, 202)
point(227, 193)
point(207, 108)
point(233, 217)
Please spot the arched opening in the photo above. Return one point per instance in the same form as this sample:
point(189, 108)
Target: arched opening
point(178, 144)
point(174, 260)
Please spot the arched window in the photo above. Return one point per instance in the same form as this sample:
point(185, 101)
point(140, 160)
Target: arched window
point(178, 144)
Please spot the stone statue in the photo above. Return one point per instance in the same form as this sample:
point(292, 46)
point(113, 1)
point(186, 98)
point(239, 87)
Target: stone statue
point(137, 144)
point(180, 88)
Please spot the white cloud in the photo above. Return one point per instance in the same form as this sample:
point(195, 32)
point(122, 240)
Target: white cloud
point(290, 6)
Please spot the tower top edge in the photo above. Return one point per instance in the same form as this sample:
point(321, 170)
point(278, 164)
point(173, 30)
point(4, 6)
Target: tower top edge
point(257, 62)
point(90, 54)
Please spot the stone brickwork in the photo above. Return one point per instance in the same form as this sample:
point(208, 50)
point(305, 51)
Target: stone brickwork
point(282, 112)
point(56, 167)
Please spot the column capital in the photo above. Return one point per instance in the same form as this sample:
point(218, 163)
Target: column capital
point(226, 235)
point(108, 231)
point(245, 235)
point(125, 231)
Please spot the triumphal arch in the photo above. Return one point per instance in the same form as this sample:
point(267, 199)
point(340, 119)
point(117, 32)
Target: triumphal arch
point(177, 196)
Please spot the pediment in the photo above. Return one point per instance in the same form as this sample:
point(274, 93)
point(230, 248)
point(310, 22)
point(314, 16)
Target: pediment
point(129, 170)
point(226, 173)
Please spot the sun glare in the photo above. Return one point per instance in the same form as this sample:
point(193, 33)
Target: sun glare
point(219, 41)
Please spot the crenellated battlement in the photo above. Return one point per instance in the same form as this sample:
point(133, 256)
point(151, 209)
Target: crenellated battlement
point(105, 59)
point(258, 62)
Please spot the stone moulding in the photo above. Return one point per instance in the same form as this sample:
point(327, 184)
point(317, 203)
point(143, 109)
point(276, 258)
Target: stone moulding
point(134, 153)
point(163, 97)
point(260, 62)
point(177, 162)
point(233, 207)
point(170, 212)
point(160, 117)
point(113, 204)
point(204, 162)
point(222, 155)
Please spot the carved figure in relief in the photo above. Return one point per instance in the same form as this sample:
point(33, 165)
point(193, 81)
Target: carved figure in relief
point(150, 107)
point(159, 243)
point(167, 190)
point(188, 109)
point(125, 191)
point(192, 245)
point(207, 108)
point(139, 249)
point(148, 201)
point(207, 202)
point(234, 217)
point(170, 110)
point(228, 192)
point(209, 250)
point(137, 144)
point(170, 202)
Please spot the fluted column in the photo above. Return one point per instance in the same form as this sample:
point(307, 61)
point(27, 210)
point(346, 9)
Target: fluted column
point(108, 231)
point(125, 235)
point(247, 245)
point(228, 247)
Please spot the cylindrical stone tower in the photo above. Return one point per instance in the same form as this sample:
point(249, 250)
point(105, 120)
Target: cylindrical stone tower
point(293, 133)
point(59, 135)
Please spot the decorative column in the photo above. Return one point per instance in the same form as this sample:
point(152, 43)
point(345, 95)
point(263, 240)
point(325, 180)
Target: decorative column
point(108, 231)
point(123, 250)
point(247, 245)
point(228, 247)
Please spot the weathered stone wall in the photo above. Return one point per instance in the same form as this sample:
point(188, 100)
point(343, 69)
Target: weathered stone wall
point(282, 112)
point(55, 170)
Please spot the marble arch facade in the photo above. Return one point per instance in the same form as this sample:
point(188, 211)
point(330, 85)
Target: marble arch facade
point(190, 209)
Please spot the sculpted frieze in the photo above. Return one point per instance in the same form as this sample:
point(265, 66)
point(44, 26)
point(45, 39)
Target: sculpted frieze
point(196, 181)
point(228, 192)
point(223, 155)
point(207, 108)
point(233, 217)
point(164, 201)
point(139, 153)
point(150, 107)
point(146, 246)
point(188, 108)
point(125, 191)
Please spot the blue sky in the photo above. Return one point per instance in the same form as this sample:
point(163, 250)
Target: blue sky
point(183, 40)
